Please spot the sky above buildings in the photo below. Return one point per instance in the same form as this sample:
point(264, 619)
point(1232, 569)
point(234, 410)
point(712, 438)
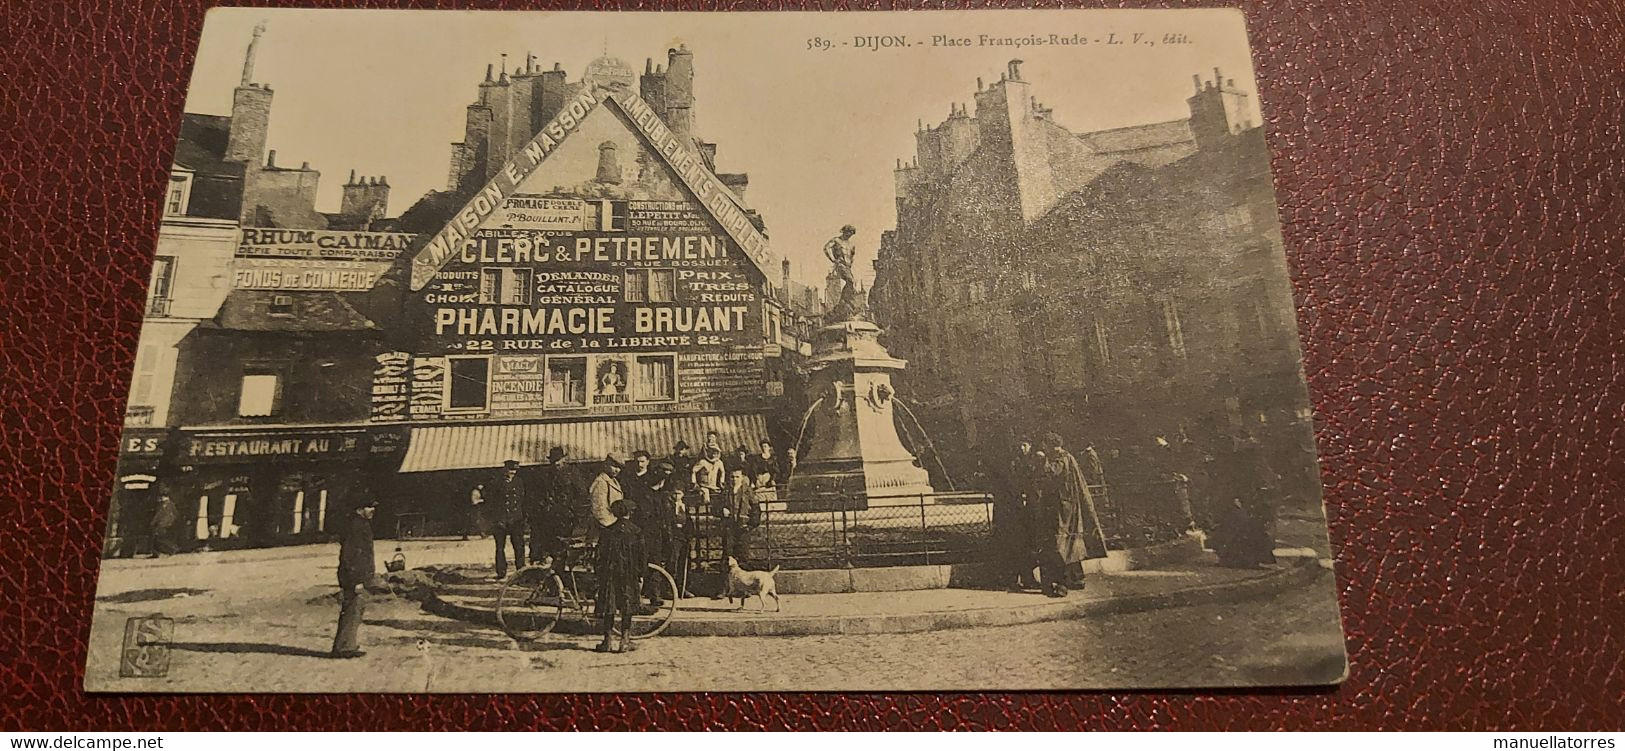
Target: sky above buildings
point(818, 130)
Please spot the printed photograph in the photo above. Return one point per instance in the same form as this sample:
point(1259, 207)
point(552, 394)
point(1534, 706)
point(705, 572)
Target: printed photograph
point(627, 352)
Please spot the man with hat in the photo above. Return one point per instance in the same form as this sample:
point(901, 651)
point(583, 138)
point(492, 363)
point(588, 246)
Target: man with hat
point(1013, 510)
point(606, 491)
point(507, 497)
point(656, 517)
point(553, 508)
point(708, 475)
point(1065, 526)
point(619, 563)
point(682, 464)
point(356, 568)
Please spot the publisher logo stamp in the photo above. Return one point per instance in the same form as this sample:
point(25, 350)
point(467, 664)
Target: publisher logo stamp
point(146, 646)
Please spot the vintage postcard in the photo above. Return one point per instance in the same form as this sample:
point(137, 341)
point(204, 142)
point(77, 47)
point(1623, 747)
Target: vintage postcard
point(502, 351)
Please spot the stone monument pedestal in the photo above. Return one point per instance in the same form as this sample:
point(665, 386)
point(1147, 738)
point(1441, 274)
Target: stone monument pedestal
point(855, 452)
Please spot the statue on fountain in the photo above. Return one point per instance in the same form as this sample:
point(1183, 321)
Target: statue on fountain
point(840, 286)
point(855, 452)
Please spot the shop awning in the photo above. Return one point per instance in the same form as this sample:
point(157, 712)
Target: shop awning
point(436, 448)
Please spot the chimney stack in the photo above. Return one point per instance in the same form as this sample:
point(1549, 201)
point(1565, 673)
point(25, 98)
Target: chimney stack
point(609, 164)
point(248, 59)
point(250, 112)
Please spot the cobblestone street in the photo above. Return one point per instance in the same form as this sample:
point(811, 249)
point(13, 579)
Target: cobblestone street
point(267, 624)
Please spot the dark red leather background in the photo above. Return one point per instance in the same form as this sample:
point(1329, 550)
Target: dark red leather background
point(1452, 182)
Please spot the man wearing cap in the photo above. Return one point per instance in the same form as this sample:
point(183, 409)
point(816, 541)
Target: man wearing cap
point(740, 460)
point(764, 473)
point(1013, 511)
point(507, 498)
point(656, 517)
point(553, 516)
point(619, 562)
point(682, 464)
point(638, 485)
point(356, 568)
point(708, 475)
point(740, 514)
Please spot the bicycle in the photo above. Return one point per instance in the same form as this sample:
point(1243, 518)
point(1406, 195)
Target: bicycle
point(533, 601)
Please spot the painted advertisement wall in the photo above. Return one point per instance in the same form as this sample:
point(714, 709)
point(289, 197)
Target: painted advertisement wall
point(305, 260)
point(598, 287)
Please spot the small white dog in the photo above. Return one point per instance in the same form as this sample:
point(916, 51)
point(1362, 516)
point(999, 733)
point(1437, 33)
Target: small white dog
point(742, 584)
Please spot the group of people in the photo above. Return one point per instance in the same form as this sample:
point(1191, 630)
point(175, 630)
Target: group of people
point(1044, 518)
point(1044, 503)
point(634, 513)
point(1224, 485)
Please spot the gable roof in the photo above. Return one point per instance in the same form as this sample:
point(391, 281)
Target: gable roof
point(677, 154)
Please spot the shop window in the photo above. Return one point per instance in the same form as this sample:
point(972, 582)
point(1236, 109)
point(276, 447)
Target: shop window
point(637, 282)
point(651, 285)
point(261, 394)
point(505, 286)
point(468, 387)
point(662, 285)
point(567, 381)
point(162, 287)
point(657, 378)
point(180, 192)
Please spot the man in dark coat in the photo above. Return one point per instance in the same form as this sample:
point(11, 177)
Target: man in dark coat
point(1066, 525)
point(664, 534)
point(1253, 481)
point(1012, 519)
point(163, 526)
point(505, 500)
point(656, 517)
point(738, 514)
point(638, 485)
point(682, 464)
point(553, 508)
point(763, 470)
point(356, 568)
point(740, 460)
point(619, 560)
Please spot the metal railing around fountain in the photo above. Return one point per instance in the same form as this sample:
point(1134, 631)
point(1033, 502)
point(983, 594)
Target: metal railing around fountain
point(927, 529)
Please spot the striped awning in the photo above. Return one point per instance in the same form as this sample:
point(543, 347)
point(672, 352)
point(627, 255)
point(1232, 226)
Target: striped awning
point(436, 448)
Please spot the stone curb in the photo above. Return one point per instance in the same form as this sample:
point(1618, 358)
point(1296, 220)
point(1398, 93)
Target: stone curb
point(1298, 572)
point(948, 575)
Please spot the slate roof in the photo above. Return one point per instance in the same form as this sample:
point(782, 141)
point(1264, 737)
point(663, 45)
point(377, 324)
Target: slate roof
point(1137, 137)
point(309, 312)
point(202, 147)
point(217, 185)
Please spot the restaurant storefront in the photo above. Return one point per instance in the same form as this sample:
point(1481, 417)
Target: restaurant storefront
point(274, 485)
